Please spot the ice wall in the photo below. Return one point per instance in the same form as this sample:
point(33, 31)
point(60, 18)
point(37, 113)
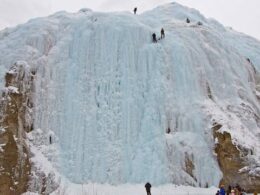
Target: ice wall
point(120, 108)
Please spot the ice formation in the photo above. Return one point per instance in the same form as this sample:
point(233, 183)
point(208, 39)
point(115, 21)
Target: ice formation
point(121, 109)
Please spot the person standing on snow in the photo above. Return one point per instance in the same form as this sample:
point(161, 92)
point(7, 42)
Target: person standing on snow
point(135, 10)
point(222, 190)
point(148, 188)
point(162, 33)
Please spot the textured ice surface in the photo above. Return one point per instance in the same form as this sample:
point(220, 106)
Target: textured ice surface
point(107, 96)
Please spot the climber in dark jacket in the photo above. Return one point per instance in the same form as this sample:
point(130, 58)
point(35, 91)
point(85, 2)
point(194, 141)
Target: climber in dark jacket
point(148, 188)
point(188, 20)
point(135, 10)
point(162, 33)
point(154, 38)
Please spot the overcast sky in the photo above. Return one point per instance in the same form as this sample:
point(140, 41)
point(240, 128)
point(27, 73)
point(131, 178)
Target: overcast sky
point(242, 15)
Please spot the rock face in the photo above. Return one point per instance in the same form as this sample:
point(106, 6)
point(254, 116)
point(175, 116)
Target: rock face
point(16, 119)
point(231, 160)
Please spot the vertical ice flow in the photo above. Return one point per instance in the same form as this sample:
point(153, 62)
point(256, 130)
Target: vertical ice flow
point(123, 109)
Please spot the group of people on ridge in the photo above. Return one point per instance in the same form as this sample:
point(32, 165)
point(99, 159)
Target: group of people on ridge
point(162, 30)
point(154, 35)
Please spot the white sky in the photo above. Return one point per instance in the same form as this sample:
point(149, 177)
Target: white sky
point(242, 15)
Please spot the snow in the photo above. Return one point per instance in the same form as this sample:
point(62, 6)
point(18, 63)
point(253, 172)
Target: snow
point(105, 189)
point(1, 147)
point(107, 95)
point(12, 89)
point(41, 166)
point(2, 130)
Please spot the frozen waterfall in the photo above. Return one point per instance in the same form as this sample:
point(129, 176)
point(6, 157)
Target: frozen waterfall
point(121, 109)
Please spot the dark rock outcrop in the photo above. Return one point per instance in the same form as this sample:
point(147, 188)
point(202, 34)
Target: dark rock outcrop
point(15, 119)
point(231, 159)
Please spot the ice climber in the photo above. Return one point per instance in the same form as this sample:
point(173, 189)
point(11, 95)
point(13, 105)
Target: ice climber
point(50, 139)
point(154, 38)
point(162, 33)
point(148, 188)
point(188, 20)
point(135, 10)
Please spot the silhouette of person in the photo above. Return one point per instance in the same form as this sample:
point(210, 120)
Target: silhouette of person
point(148, 188)
point(154, 38)
point(135, 10)
point(162, 33)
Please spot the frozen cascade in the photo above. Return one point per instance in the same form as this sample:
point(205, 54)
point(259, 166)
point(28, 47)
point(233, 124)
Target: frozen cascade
point(109, 95)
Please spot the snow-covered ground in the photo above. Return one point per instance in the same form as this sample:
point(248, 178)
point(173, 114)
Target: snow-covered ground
point(105, 189)
point(97, 189)
point(107, 95)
